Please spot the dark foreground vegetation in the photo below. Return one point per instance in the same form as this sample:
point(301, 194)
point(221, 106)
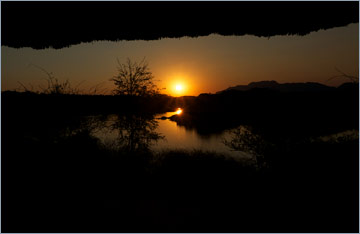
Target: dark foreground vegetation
point(57, 177)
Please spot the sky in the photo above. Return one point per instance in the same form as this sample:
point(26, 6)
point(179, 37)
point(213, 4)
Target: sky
point(196, 65)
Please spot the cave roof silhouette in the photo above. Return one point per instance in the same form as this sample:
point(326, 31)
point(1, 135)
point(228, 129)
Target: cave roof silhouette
point(61, 24)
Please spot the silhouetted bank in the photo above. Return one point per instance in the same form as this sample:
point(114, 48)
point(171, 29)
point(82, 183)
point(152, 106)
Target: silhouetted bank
point(301, 109)
point(57, 177)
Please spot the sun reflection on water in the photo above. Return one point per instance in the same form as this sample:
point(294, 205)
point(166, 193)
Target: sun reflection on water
point(178, 111)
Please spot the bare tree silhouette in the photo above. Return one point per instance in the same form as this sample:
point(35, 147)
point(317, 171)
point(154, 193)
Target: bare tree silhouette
point(353, 79)
point(134, 79)
point(54, 85)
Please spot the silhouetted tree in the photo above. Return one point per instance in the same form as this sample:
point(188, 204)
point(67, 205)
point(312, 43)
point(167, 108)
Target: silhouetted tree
point(353, 79)
point(134, 79)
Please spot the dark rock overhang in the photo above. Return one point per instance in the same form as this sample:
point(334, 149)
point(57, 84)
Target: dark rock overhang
point(61, 24)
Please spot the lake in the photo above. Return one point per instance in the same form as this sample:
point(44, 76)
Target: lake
point(173, 136)
point(160, 132)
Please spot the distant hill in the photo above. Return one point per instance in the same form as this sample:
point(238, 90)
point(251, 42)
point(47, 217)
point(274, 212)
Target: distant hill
point(286, 87)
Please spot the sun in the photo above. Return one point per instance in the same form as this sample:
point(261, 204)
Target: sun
point(178, 87)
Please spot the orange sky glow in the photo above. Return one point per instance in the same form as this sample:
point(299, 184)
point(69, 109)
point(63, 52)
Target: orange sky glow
point(199, 65)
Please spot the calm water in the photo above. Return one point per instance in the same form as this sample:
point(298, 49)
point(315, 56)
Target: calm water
point(178, 137)
point(175, 137)
point(161, 134)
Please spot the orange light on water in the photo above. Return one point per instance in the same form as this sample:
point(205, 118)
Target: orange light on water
point(178, 111)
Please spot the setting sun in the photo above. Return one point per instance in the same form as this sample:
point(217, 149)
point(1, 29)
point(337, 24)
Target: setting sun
point(178, 87)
